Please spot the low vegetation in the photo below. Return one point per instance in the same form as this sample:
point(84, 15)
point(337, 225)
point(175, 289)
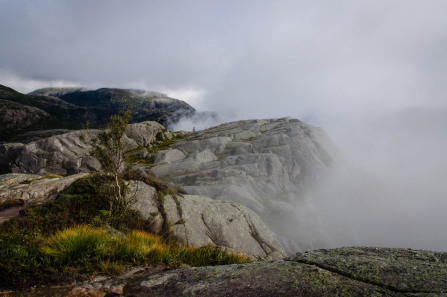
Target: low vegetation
point(11, 203)
point(84, 232)
point(96, 249)
point(91, 228)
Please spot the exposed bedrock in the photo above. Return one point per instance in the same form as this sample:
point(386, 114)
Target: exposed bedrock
point(337, 272)
point(267, 165)
point(69, 153)
point(197, 220)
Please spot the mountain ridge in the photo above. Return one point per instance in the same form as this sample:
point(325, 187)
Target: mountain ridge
point(72, 108)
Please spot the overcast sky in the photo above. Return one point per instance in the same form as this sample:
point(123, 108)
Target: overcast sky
point(355, 67)
point(265, 58)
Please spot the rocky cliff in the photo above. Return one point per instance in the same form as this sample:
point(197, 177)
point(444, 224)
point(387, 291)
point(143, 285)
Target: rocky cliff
point(267, 165)
point(194, 220)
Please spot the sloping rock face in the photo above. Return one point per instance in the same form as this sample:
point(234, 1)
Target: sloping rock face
point(20, 189)
point(197, 221)
point(267, 165)
point(337, 272)
point(31, 187)
point(69, 153)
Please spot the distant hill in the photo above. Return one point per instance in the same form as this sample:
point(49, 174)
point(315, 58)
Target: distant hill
point(70, 108)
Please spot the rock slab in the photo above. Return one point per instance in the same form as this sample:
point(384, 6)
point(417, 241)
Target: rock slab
point(197, 221)
point(353, 271)
point(69, 153)
point(267, 165)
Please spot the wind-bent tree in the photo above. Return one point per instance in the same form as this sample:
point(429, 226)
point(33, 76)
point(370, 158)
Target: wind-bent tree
point(108, 148)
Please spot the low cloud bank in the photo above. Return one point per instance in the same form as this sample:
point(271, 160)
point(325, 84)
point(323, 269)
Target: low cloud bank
point(391, 190)
point(202, 120)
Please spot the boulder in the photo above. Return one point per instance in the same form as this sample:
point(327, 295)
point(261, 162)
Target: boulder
point(169, 156)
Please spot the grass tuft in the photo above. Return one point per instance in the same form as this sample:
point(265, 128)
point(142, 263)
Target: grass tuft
point(208, 255)
point(75, 245)
point(90, 249)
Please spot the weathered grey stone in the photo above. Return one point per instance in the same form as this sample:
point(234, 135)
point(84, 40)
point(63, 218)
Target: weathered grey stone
point(401, 270)
point(69, 153)
point(337, 272)
point(37, 189)
point(10, 179)
point(198, 221)
point(143, 198)
point(259, 279)
point(169, 156)
point(144, 133)
point(267, 165)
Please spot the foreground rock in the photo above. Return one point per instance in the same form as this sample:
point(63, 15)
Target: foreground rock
point(399, 270)
point(196, 221)
point(337, 272)
point(267, 165)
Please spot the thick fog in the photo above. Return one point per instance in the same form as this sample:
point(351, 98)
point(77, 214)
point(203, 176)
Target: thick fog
point(372, 73)
point(390, 189)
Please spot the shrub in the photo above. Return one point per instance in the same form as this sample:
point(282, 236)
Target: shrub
point(108, 148)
